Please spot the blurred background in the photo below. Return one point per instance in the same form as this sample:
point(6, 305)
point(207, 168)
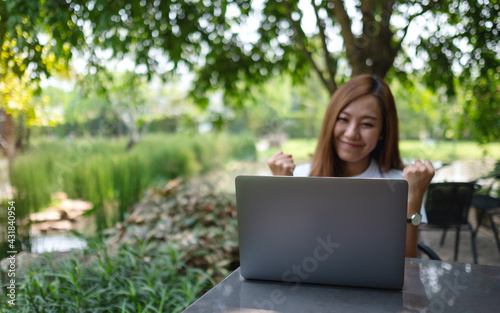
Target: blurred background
point(105, 106)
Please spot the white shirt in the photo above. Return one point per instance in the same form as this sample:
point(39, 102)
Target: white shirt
point(371, 172)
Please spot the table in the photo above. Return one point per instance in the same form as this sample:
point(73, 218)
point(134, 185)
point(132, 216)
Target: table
point(430, 286)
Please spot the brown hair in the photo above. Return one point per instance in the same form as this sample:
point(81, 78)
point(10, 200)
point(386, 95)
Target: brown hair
point(325, 161)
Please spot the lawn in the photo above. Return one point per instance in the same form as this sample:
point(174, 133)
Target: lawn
point(445, 151)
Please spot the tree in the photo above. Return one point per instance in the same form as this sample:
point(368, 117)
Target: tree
point(480, 115)
point(456, 41)
point(15, 98)
point(35, 42)
point(131, 99)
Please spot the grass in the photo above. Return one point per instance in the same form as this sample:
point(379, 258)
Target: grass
point(100, 170)
point(449, 150)
point(127, 278)
point(445, 151)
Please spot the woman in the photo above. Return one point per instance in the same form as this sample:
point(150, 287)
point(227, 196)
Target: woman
point(359, 138)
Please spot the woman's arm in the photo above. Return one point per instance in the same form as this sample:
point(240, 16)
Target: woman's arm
point(418, 176)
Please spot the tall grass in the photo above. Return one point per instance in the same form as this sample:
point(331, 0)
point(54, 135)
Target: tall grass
point(99, 170)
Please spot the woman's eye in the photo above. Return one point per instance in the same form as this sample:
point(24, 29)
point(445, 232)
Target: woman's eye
point(342, 119)
point(367, 125)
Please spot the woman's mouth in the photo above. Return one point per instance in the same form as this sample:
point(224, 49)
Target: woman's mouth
point(351, 145)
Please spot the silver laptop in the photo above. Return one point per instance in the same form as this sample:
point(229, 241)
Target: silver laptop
point(323, 230)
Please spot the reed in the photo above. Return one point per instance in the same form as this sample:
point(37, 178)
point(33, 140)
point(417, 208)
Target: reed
point(101, 171)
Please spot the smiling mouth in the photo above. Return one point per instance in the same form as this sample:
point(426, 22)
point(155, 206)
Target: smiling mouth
point(351, 145)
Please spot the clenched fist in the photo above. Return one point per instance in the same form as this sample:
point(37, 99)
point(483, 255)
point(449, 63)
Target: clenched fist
point(281, 164)
point(419, 176)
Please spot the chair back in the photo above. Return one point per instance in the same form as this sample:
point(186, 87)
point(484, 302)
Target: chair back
point(448, 204)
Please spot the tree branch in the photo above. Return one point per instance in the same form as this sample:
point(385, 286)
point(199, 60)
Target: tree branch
point(383, 52)
point(345, 28)
point(302, 39)
point(368, 18)
point(387, 9)
point(332, 86)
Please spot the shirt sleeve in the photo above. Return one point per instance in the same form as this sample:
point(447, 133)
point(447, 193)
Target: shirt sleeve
point(422, 211)
point(302, 170)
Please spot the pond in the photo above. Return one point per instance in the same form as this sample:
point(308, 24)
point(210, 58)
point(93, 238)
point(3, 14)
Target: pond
point(59, 243)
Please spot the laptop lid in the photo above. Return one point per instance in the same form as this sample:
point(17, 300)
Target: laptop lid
point(324, 230)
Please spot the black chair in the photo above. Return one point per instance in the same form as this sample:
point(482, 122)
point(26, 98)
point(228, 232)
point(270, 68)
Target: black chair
point(447, 206)
point(487, 203)
point(422, 248)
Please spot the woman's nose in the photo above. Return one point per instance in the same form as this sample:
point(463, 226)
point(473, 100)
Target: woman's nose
point(352, 130)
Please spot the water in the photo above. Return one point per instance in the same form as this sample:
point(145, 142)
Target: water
point(59, 243)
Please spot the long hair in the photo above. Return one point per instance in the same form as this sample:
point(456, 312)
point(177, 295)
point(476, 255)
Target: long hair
point(326, 161)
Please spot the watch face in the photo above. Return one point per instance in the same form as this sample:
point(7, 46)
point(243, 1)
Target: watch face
point(416, 219)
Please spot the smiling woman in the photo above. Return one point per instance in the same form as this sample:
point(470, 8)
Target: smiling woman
point(362, 116)
point(359, 138)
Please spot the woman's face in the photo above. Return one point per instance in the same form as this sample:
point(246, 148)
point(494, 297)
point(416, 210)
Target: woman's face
point(357, 130)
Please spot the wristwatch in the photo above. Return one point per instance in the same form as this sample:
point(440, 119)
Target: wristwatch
point(415, 219)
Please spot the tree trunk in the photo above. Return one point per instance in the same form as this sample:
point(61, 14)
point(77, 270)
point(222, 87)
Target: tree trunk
point(20, 133)
point(372, 52)
point(134, 137)
point(10, 138)
point(3, 143)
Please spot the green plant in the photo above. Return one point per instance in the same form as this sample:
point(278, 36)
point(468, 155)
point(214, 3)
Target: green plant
point(243, 148)
point(33, 181)
point(100, 170)
point(194, 217)
point(133, 277)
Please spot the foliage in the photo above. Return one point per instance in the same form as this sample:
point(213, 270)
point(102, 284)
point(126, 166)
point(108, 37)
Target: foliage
point(125, 95)
point(228, 42)
point(481, 114)
point(114, 103)
point(126, 278)
point(279, 107)
point(36, 37)
point(30, 48)
point(418, 113)
point(192, 216)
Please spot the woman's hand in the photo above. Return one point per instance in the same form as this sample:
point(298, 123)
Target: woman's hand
point(419, 176)
point(281, 164)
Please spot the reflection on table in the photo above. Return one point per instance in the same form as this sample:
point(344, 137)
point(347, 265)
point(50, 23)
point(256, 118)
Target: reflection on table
point(430, 286)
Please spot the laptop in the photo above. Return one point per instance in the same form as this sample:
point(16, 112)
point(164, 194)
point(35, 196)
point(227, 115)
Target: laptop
point(322, 230)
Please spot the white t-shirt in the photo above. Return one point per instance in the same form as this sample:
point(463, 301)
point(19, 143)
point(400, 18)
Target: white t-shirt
point(371, 172)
